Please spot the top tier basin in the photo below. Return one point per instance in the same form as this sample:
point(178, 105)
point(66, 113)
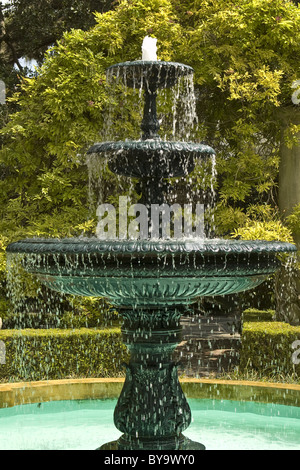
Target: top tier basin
point(150, 157)
point(149, 75)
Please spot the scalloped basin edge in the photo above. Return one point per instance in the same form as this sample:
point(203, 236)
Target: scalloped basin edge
point(148, 272)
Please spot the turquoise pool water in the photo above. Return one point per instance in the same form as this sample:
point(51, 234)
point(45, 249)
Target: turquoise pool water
point(87, 424)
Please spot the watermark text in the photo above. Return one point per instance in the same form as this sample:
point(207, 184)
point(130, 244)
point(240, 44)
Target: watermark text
point(296, 94)
point(2, 92)
point(2, 353)
point(156, 221)
point(296, 354)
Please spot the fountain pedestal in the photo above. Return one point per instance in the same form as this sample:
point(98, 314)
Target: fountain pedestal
point(152, 411)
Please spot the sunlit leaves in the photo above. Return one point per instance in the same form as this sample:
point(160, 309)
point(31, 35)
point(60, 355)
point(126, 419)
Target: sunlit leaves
point(272, 230)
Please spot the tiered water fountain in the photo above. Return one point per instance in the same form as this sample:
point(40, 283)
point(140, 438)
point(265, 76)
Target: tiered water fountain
point(151, 282)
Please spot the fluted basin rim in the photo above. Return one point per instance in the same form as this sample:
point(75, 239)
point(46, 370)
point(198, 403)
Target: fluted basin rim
point(149, 273)
point(94, 245)
point(155, 145)
point(146, 64)
point(151, 75)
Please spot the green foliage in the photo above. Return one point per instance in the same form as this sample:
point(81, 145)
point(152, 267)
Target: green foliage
point(245, 57)
point(3, 297)
point(268, 231)
point(33, 26)
point(3, 242)
point(267, 348)
point(254, 315)
point(45, 192)
point(293, 220)
point(262, 222)
point(55, 353)
point(89, 312)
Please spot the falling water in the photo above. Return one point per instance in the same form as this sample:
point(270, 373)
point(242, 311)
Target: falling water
point(176, 105)
point(178, 121)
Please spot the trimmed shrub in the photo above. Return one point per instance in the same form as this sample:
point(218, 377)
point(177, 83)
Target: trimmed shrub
point(267, 348)
point(54, 354)
point(89, 352)
point(254, 315)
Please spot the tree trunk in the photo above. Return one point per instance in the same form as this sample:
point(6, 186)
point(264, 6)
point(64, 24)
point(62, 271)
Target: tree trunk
point(289, 169)
point(288, 278)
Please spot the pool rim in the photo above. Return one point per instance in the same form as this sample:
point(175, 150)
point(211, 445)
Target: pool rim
point(21, 393)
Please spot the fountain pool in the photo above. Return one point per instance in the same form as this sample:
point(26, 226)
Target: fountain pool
point(267, 418)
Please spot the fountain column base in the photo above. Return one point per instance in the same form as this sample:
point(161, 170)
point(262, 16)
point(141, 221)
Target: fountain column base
point(179, 443)
point(152, 411)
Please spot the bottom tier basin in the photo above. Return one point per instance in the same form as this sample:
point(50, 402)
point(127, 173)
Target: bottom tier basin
point(150, 280)
point(149, 272)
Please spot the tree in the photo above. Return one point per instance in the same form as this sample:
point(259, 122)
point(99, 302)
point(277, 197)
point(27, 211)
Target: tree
point(31, 26)
point(245, 59)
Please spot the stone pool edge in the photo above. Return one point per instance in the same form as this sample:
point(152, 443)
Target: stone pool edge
point(20, 393)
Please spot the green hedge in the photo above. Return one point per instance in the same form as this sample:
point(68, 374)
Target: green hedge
point(56, 353)
point(90, 352)
point(267, 348)
point(255, 315)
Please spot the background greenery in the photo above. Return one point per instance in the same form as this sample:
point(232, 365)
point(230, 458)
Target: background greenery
point(245, 60)
point(245, 55)
point(36, 354)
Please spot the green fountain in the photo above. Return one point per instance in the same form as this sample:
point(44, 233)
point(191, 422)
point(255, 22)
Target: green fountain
point(150, 281)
